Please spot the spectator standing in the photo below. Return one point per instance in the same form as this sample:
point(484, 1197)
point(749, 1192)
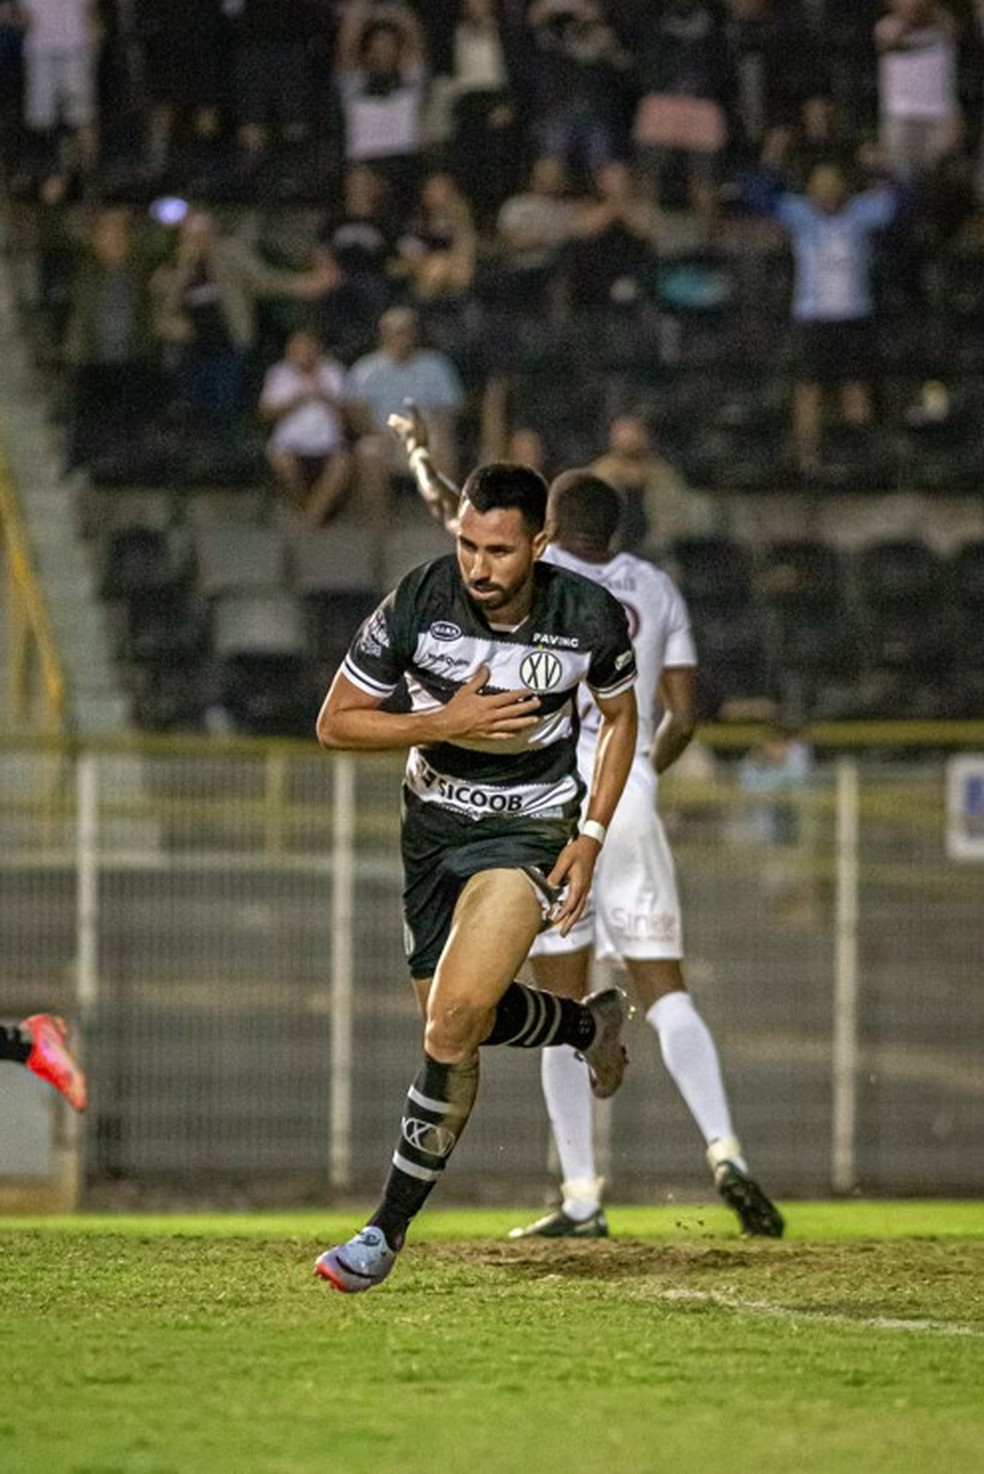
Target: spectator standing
point(774, 775)
point(205, 312)
point(816, 136)
point(775, 62)
point(273, 42)
point(577, 84)
point(304, 396)
point(183, 54)
point(833, 307)
point(381, 77)
point(61, 51)
point(501, 438)
point(109, 342)
point(917, 86)
point(485, 111)
point(685, 93)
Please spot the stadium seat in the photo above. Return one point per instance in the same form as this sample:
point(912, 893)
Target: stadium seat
point(169, 696)
point(331, 559)
point(712, 570)
point(137, 561)
point(966, 596)
point(262, 674)
point(264, 622)
point(716, 577)
point(905, 618)
point(232, 556)
point(165, 625)
point(812, 632)
point(898, 571)
point(855, 459)
point(269, 695)
point(744, 456)
point(967, 575)
point(410, 542)
point(732, 646)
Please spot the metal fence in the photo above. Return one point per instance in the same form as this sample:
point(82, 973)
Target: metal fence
point(221, 922)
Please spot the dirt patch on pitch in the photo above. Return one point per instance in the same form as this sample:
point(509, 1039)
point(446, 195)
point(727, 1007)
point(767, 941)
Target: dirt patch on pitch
point(931, 1278)
point(607, 1259)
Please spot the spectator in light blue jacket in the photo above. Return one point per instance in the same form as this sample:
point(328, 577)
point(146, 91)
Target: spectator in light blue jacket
point(831, 233)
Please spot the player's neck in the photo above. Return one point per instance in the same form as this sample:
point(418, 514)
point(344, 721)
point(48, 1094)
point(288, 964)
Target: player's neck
point(588, 552)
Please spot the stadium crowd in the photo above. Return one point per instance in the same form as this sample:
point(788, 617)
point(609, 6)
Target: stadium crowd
point(705, 244)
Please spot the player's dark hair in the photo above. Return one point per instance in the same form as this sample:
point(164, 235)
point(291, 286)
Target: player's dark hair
point(504, 484)
point(585, 507)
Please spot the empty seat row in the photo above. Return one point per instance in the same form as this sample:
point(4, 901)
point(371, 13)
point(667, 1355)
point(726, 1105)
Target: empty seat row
point(237, 556)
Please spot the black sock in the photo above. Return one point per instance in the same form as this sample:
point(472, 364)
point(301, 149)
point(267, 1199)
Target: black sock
point(15, 1043)
point(438, 1105)
point(529, 1018)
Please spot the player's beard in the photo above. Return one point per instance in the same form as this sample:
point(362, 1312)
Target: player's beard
point(492, 598)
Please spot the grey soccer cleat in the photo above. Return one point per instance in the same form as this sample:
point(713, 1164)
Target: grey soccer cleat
point(605, 1056)
point(360, 1264)
point(559, 1225)
point(758, 1215)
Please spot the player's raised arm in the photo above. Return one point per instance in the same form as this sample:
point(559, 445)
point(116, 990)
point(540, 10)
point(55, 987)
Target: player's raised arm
point(439, 494)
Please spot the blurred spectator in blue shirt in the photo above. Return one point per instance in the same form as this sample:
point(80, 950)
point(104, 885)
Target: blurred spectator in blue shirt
point(380, 384)
point(833, 309)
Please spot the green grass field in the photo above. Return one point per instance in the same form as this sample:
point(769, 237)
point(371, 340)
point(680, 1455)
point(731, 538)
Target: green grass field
point(203, 1344)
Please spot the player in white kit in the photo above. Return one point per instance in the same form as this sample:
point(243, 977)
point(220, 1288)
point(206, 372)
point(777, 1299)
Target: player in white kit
point(634, 917)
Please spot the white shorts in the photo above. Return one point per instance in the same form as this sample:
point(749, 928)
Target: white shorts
point(634, 910)
point(60, 87)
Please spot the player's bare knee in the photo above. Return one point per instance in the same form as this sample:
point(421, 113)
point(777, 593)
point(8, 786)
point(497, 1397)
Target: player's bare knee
point(454, 1030)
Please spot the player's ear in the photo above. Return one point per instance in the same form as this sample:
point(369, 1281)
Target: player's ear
point(540, 540)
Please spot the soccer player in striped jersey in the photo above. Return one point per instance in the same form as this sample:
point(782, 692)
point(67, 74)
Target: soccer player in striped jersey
point(633, 917)
point(500, 833)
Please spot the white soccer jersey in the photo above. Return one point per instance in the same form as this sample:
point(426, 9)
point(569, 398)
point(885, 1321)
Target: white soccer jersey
point(659, 625)
point(634, 910)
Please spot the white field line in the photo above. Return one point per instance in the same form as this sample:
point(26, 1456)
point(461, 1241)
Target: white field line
point(767, 1311)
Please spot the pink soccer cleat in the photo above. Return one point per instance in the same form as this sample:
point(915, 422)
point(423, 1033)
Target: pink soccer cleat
point(52, 1060)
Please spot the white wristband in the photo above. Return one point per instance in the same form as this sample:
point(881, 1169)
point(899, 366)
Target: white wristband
point(418, 458)
point(594, 830)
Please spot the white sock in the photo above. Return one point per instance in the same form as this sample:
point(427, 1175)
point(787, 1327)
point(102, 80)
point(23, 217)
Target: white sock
point(691, 1058)
point(567, 1092)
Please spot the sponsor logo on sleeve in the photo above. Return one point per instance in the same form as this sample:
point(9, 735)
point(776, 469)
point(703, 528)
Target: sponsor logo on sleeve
point(375, 637)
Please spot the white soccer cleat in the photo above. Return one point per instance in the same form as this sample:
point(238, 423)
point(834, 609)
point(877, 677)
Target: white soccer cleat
point(360, 1264)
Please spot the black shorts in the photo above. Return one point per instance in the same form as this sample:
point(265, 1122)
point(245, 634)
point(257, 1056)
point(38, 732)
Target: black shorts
point(442, 850)
point(832, 352)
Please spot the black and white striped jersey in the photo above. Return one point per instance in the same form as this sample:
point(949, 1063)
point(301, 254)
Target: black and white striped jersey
point(429, 632)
